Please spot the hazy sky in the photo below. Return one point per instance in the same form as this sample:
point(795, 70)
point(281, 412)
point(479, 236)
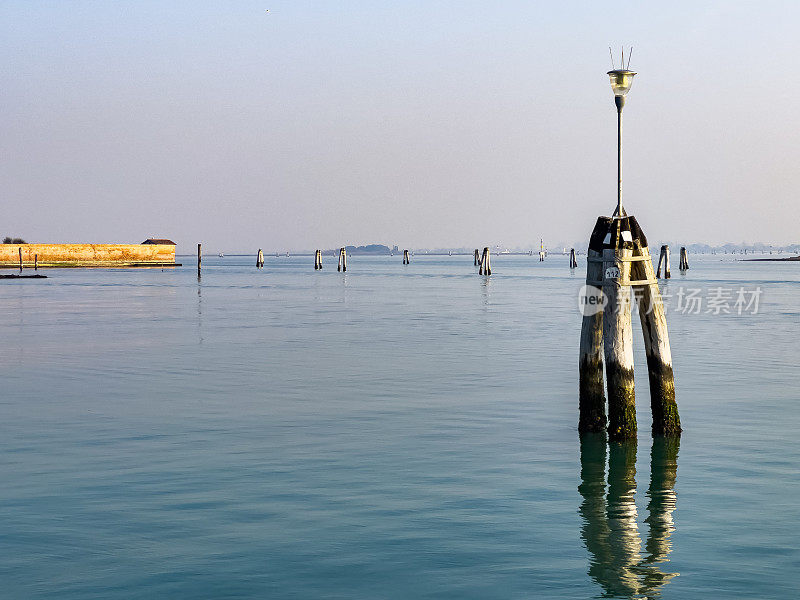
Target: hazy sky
point(425, 124)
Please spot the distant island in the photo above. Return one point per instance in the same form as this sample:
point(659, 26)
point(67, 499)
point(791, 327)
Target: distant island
point(773, 259)
point(368, 249)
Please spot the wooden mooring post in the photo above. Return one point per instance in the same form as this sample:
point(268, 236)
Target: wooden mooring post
point(20, 259)
point(342, 260)
point(260, 259)
point(591, 395)
point(572, 262)
point(618, 263)
point(199, 257)
point(683, 263)
point(485, 264)
point(406, 261)
point(663, 260)
point(35, 262)
point(318, 260)
point(477, 257)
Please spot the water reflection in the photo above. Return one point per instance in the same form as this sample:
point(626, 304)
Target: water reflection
point(610, 528)
point(199, 309)
point(486, 291)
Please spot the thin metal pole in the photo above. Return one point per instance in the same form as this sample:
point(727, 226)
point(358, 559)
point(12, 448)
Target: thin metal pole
point(619, 162)
point(619, 101)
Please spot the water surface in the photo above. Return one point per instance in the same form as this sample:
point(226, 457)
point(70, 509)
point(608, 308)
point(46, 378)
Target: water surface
point(392, 432)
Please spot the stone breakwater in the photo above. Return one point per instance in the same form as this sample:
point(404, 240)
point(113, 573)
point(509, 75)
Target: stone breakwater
point(87, 255)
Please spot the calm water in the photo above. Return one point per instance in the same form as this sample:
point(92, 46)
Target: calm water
point(395, 432)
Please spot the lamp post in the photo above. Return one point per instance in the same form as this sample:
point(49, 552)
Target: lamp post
point(621, 80)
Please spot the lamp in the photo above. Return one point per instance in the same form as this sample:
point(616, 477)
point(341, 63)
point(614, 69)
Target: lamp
point(621, 81)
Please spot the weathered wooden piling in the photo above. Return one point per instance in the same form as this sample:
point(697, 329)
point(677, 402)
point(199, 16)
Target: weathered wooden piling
point(592, 397)
point(35, 262)
point(656, 344)
point(477, 258)
point(199, 257)
point(260, 259)
point(683, 263)
point(342, 260)
point(572, 262)
point(625, 264)
point(317, 260)
point(406, 260)
point(663, 260)
point(618, 332)
point(20, 260)
point(486, 263)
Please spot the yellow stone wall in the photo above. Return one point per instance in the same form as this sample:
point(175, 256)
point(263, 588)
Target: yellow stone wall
point(87, 254)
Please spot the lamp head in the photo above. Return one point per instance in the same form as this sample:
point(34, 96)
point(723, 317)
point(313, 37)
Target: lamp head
point(621, 81)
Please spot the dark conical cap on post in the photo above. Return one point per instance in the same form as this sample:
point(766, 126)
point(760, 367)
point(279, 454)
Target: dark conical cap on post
point(616, 233)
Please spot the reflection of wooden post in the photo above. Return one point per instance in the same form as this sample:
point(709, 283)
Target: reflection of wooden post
point(663, 473)
point(623, 537)
point(609, 525)
point(260, 259)
point(594, 528)
point(592, 397)
point(477, 258)
point(406, 261)
point(20, 259)
point(199, 247)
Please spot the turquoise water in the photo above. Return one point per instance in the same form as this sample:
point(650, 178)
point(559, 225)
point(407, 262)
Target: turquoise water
point(391, 432)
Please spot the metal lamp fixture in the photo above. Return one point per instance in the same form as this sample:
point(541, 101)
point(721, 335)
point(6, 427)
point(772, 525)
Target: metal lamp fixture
point(621, 81)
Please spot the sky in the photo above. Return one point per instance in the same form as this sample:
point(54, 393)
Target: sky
point(286, 124)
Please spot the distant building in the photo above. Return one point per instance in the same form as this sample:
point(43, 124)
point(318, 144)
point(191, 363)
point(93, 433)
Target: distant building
point(161, 242)
point(150, 253)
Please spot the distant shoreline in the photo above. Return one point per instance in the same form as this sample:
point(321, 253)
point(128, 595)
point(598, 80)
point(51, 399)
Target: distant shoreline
point(789, 258)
